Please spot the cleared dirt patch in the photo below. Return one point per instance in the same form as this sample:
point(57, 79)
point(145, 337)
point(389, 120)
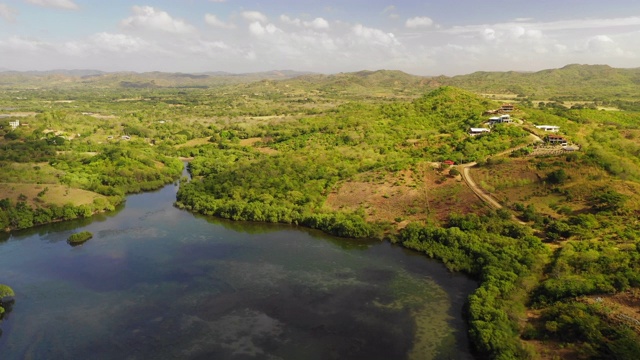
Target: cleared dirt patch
point(405, 196)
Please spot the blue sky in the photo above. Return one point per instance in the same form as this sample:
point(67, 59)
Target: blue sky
point(434, 37)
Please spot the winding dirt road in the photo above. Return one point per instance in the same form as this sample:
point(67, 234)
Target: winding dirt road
point(484, 196)
point(480, 193)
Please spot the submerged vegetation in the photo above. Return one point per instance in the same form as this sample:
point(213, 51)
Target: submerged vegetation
point(558, 261)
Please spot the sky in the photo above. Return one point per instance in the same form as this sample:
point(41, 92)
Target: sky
point(427, 37)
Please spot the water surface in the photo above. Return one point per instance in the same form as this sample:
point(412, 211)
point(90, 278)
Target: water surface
point(157, 282)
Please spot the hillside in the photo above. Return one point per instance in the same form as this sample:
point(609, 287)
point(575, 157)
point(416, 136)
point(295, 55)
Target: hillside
point(572, 82)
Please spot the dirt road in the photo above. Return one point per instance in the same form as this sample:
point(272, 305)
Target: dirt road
point(483, 195)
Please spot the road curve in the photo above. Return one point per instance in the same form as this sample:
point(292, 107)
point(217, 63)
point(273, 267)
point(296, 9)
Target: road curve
point(487, 198)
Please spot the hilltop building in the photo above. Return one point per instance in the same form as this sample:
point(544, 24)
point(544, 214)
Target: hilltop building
point(14, 124)
point(503, 119)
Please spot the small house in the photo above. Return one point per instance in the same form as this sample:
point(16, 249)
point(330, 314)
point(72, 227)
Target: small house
point(500, 119)
point(478, 131)
point(14, 124)
point(507, 107)
point(556, 140)
point(449, 162)
point(550, 128)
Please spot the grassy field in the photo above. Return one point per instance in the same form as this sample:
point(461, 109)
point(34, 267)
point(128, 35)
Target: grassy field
point(55, 194)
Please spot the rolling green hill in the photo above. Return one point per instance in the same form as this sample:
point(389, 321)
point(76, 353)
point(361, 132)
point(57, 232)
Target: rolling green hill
point(572, 82)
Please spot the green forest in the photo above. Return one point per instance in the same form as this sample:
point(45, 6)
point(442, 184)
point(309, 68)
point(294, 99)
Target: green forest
point(382, 155)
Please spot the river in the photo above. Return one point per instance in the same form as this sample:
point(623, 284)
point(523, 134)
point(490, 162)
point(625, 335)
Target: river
point(156, 282)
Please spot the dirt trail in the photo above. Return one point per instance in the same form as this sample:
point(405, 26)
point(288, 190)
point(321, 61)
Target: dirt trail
point(483, 195)
point(487, 198)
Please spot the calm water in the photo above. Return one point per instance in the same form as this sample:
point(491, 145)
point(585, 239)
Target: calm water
point(156, 282)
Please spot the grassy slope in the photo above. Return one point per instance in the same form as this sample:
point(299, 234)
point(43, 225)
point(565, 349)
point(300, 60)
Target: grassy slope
point(56, 194)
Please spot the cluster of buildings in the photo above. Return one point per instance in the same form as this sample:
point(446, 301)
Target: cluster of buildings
point(504, 118)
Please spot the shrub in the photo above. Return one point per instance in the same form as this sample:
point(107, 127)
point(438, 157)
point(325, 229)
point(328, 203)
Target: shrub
point(557, 177)
point(79, 238)
point(6, 291)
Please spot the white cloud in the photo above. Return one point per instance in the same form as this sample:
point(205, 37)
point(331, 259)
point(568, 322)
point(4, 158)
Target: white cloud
point(147, 18)
point(22, 45)
point(317, 23)
point(418, 22)
point(603, 44)
point(563, 25)
point(489, 34)
point(61, 4)
point(374, 36)
point(253, 16)
point(257, 29)
point(7, 13)
point(289, 21)
point(119, 42)
point(215, 22)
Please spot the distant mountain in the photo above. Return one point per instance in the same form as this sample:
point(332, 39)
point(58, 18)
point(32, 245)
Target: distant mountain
point(378, 83)
point(572, 82)
point(156, 79)
point(576, 82)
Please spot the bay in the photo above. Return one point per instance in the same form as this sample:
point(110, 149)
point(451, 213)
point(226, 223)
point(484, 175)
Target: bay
point(159, 282)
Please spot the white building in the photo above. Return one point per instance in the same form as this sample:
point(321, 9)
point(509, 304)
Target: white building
point(551, 128)
point(500, 119)
point(478, 131)
point(14, 124)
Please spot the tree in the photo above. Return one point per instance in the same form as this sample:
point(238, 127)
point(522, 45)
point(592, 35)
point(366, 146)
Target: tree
point(610, 200)
point(557, 177)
